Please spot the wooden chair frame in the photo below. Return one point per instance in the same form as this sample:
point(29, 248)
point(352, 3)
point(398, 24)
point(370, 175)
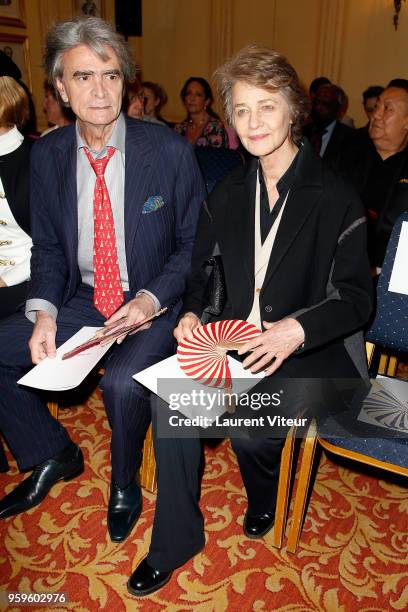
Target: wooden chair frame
point(306, 466)
point(285, 477)
point(388, 365)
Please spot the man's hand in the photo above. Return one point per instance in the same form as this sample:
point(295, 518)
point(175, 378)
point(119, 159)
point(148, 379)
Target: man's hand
point(187, 324)
point(42, 341)
point(2, 283)
point(273, 346)
point(141, 307)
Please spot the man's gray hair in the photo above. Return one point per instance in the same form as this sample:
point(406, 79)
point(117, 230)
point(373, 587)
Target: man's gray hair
point(93, 32)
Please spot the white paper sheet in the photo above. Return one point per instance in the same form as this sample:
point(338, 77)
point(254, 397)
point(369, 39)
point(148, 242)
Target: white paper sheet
point(58, 375)
point(399, 275)
point(169, 369)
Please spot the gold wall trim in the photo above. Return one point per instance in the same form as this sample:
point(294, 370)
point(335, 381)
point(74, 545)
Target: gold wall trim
point(333, 14)
point(221, 32)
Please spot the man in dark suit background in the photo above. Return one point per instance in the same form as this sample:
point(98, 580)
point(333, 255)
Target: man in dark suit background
point(328, 136)
point(378, 167)
point(107, 181)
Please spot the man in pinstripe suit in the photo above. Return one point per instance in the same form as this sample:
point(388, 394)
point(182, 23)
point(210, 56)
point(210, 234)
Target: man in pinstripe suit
point(155, 190)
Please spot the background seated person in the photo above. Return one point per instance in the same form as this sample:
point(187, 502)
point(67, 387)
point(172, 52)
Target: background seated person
point(202, 126)
point(370, 97)
point(378, 168)
point(15, 241)
point(133, 103)
point(154, 98)
point(328, 136)
point(57, 114)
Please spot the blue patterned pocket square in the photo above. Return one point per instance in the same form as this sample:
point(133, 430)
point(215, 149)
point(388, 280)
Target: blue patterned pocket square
point(152, 204)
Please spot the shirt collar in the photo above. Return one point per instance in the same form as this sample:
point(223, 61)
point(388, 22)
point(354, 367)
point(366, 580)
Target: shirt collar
point(117, 139)
point(329, 129)
point(286, 180)
point(10, 141)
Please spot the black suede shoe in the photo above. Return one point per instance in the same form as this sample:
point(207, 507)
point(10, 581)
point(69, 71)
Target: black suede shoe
point(256, 526)
point(33, 489)
point(125, 506)
point(146, 580)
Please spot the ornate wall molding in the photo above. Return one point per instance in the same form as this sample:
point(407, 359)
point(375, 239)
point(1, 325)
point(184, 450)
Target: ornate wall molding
point(221, 31)
point(333, 14)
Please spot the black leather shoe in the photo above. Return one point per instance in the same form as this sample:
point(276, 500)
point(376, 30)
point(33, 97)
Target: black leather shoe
point(256, 526)
point(125, 506)
point(146, 580)
point(33, 489)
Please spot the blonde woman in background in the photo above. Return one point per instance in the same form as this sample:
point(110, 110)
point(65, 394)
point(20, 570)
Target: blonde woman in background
point(15, 241)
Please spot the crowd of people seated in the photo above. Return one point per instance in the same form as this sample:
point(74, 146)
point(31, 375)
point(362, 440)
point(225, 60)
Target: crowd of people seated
point(116, 199)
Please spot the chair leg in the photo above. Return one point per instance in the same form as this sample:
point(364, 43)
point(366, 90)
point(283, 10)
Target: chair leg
point(53, 408)
point(370, 349)
point(285, 474)
point(392, 366)
point(148, 467)
point(302, 488)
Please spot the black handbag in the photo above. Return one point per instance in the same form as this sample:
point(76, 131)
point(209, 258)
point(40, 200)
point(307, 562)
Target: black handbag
point(215, 295)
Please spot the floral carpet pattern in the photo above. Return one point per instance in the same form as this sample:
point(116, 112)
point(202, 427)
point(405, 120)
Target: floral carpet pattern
point(353, 554)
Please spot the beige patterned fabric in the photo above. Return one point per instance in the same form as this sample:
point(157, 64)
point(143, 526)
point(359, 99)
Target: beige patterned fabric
point(352, 554)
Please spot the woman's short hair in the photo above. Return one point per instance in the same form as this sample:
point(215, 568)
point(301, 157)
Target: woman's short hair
point(262, 67)
point(159, 93)
point(93, 32)
point(14, 104)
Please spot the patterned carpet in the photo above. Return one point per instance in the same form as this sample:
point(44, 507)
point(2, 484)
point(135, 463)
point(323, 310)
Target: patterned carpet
point(353, 553)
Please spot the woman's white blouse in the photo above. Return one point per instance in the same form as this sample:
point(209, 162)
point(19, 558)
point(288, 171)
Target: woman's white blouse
point(15, 244)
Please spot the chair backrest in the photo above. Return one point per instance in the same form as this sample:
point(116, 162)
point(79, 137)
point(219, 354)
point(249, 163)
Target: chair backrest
point(215, 163)
point(390, 326)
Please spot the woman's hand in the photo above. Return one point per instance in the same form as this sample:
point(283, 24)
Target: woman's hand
point(273, 346)
point(187, 324)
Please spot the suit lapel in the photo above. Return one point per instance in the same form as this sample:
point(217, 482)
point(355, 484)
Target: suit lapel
point(333, 144)
point(139, 167)
point(302, 198)
point(241, 222)
point(66, 160)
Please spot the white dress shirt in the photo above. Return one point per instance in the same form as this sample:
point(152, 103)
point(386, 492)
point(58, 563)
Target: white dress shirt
point(327, 134)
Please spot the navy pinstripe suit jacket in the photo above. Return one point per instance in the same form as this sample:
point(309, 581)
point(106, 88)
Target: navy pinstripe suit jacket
point(158, 244)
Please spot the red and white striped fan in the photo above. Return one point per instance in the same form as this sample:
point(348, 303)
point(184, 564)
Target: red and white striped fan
point(204, 357)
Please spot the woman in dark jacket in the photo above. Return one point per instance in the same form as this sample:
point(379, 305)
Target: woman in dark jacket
point(292, 239)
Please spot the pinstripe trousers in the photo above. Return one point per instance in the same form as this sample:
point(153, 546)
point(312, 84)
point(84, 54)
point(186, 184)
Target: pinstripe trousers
point(33, 435)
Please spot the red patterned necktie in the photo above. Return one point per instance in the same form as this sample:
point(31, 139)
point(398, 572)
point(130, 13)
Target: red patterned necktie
point(108, 292)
